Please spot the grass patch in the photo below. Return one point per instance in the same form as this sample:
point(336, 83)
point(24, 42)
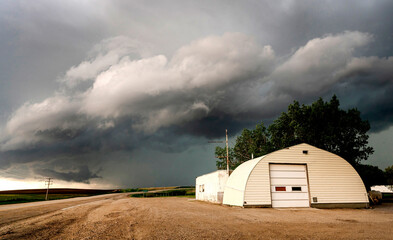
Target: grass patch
point(23, 198)
point(387, 197)
point(176, 192)
point(130, 190)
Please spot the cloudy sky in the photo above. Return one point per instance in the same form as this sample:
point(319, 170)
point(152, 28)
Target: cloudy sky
point(128, 93)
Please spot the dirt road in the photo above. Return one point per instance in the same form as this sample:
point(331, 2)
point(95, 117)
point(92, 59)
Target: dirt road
point(117, 216)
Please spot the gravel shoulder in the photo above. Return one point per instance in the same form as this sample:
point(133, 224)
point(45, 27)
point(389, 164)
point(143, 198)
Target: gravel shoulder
point(117, 216)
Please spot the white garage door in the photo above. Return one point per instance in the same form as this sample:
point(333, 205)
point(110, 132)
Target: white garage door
point(289, 185)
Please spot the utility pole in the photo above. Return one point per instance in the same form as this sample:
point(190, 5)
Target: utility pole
point(226, 136)
point(48, 182)
point(226, 143)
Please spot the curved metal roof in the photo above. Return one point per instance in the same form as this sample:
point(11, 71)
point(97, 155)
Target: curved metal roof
point(238, 179)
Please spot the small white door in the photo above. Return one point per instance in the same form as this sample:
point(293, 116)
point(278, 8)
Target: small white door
point(288, 184)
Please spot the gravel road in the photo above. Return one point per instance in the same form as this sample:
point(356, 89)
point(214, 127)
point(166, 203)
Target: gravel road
point(116, 216)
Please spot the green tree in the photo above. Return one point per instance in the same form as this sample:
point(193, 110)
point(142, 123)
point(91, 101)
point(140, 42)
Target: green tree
point(371, 175)
point(324, 125)
point(221, 154)
point(250, 142)
point(389, 175)
point(321, 124)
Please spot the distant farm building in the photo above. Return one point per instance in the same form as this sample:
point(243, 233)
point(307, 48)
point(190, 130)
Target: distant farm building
point(386, 192)
point(298, 176)
point(383, 188)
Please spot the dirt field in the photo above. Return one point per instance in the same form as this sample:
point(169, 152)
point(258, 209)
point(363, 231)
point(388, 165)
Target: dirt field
point(117, 216)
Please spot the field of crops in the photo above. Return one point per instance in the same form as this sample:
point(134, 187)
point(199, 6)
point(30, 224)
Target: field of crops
point(21, 198)
point(32, 195)
point(166, 192)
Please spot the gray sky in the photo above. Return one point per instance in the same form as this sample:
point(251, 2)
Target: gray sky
point(128, 93)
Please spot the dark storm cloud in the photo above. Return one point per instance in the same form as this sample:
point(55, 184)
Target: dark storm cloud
point(377, 107)
point(82, 174)
point(128, 78)
point(130, 99)
point(372, 79)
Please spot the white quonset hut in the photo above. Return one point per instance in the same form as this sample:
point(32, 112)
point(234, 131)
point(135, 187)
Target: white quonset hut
point(298, 176)
point(210, 187)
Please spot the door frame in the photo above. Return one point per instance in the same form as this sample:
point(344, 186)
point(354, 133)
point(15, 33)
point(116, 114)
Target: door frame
point(308, 182)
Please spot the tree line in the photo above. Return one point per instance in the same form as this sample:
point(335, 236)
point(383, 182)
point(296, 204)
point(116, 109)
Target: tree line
point(322, 124)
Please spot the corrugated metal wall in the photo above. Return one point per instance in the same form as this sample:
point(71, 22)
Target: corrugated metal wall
point(331, 178)
point(258, 185)
point(236, 184)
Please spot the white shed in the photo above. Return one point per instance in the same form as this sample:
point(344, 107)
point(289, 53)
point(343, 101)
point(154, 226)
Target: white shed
point(298, 176)
point(383, 188)
point(210, 187)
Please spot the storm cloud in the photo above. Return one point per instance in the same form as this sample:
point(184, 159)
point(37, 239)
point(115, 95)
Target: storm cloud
point(136, 102)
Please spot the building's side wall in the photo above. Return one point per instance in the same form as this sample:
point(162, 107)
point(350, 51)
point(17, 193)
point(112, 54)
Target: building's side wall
point(234, 189)
point(222, 181)
point(233, 197)
point(258, 186)
point(331, 178)
point(210, 187)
